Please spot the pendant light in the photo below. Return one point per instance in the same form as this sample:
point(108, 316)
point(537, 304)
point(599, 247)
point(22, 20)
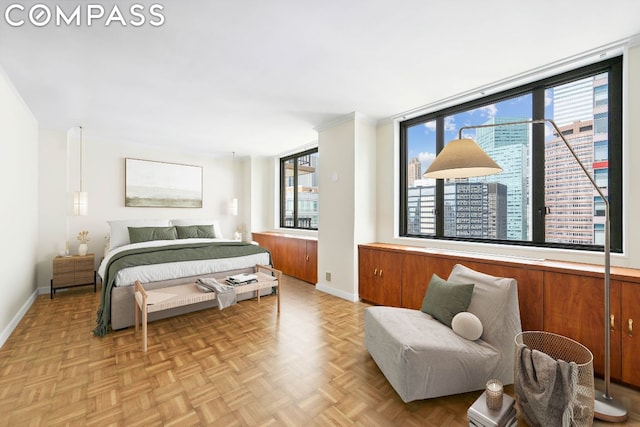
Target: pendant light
point(80, 198)
point(233, 203)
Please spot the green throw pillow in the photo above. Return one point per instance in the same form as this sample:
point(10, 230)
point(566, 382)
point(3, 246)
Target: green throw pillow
point(146, 234)
point(195, 231)
point(444, 300)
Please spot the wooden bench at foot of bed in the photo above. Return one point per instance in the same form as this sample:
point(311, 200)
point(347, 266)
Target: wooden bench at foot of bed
point(177, 296)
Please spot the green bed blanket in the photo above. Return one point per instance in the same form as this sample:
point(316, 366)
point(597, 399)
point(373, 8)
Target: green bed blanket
point(159, 255)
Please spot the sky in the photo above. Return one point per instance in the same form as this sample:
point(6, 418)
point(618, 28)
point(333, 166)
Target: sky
point(422, 137)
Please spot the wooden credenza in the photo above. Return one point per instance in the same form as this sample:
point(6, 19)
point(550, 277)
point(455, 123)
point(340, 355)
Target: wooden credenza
point(561, 297)
point(295, 256)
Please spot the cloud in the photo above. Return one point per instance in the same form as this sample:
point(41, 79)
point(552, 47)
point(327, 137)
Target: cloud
point(430, 125)
point(548, 98)
point(449, 124)
point(488, 111)
point(426, 159)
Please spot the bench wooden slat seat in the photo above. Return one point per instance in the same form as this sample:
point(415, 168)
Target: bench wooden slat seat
point(177, 296)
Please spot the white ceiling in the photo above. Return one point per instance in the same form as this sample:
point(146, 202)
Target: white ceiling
point(256, 76)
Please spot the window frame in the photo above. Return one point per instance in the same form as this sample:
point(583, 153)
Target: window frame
point(283, 189)
point(538, 210)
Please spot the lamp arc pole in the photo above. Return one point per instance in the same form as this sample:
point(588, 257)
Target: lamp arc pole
point(606, 407)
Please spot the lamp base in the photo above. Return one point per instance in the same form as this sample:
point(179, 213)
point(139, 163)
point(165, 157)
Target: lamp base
point(609, 409)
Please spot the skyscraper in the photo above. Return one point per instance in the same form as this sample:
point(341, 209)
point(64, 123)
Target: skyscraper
point(568, 192)
point(414, 171)
point(573, 102)
point(509, 147)
point(575, 210)
point(476, 210)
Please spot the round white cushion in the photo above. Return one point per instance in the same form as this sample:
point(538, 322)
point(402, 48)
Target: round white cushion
point(467, 325)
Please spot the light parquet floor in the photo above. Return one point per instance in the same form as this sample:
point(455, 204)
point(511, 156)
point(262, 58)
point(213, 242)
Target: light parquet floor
point(243, 366)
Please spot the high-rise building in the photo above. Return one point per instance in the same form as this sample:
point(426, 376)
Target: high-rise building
point(497, 200)
point(509, 147)
point(421, 204)
point(573, 102)
point(466, 210)
point(414, 171)
point(477, 210)
point(575, 211)
point(568, 192)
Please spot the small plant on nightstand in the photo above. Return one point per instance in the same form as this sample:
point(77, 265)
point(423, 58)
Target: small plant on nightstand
point(83, 237)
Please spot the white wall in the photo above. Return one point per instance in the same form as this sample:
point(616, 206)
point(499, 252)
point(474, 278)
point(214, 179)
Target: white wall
point(104, 180)
point(387, 181)
point(53, 200)
point(263, 178)
point(19, 212)
point(346, 200)
point(365, 187)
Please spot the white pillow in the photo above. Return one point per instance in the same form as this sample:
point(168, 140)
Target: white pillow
point(195, 221)
point(488, 301)
point(119, 230)
point(467, 325)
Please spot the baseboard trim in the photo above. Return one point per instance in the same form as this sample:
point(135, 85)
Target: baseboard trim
point(337, 293)
point(6, 333)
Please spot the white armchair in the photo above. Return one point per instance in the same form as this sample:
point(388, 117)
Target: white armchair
point(423, 358)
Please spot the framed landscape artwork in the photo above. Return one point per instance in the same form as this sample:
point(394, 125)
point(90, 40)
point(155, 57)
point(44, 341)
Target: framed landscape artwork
point(162, 185)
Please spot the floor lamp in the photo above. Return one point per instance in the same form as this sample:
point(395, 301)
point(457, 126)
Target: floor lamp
point(463, 158)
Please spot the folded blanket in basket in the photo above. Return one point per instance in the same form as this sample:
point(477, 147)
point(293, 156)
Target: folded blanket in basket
point(225, 294)
point(546, 389)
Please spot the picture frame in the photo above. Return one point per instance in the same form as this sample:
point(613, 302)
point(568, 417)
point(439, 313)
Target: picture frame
point(157, 184)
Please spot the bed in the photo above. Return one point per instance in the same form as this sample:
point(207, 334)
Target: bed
point(162, 253)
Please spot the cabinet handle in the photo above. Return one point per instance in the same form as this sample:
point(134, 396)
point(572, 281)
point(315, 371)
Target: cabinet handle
point(630, 329)
point(612, 322)
point(375, 272)
point(307, 257)
point(380, 272)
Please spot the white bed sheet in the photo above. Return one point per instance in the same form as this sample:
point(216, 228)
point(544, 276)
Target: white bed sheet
point(174, 270)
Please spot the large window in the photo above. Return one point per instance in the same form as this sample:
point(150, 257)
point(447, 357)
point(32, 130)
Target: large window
point(542, 197)
point(299, 190)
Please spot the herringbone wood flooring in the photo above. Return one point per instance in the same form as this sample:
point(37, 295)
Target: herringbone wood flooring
point(243, 366)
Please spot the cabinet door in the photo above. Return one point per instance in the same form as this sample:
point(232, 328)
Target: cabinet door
point(269, 243)
point(574, 308)
point(630, 333)
point(379, 276)
point(291, 253)
point(311, 262)
point(304, 259)
point(390, 278)
point(368, 288)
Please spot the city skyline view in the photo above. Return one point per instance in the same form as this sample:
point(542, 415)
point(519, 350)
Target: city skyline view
point(573, 211)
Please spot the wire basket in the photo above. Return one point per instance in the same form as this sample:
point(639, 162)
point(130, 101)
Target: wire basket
point(563, 348)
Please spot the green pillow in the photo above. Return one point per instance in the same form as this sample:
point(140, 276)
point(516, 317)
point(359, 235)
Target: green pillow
point(146, 234)
point(444, 300)
point(195, 231)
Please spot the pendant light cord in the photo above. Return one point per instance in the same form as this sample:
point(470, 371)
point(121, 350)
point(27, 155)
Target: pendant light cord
point(80, 158)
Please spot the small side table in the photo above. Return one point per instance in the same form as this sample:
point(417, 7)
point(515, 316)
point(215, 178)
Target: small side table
point(72, 271)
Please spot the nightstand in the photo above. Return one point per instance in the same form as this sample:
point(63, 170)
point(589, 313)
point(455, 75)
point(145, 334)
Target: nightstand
point(72, 271)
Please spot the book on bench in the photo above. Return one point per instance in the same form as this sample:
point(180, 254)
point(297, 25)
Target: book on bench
point(242, 279)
